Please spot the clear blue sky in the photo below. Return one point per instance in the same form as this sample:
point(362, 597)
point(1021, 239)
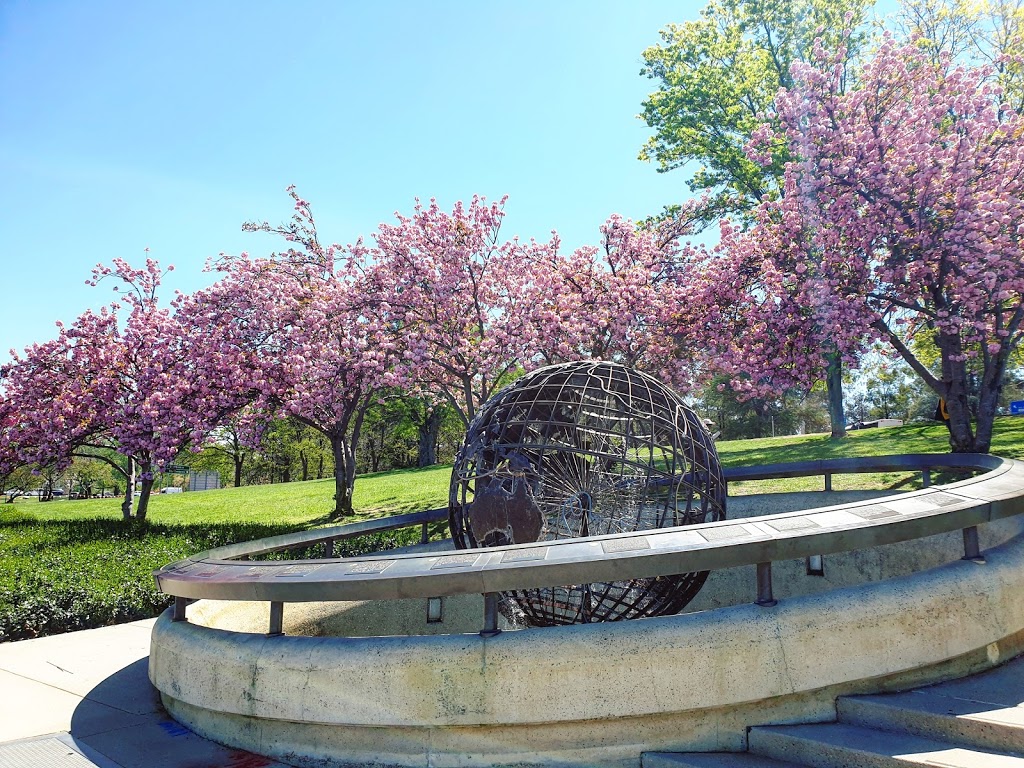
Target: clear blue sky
point(127, 125)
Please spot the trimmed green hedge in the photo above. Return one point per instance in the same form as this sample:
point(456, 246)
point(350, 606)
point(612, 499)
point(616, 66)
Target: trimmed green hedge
point(60, 576)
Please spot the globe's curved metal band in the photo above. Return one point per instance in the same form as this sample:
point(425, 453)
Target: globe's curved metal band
point(996, 494)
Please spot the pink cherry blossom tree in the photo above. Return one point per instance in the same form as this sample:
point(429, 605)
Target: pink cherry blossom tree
point(300, 330)
point(902, 217)
point(115, 382)
point(456, 297)
point(619, 301)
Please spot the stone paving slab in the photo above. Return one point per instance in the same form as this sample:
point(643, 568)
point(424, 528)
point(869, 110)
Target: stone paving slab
point(710, 760)
point(57, 751)
point(29, 708)
point(78, 662)
point(1002, 686)
point(837, 744)
point(84, 700)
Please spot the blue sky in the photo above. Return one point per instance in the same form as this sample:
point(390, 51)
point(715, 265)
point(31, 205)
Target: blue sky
point(166, 125)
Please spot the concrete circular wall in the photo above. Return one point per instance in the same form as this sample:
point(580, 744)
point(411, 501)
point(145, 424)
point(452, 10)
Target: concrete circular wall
point(590, 694)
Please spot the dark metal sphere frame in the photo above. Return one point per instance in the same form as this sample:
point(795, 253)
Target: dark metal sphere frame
point(581, 449)
point(996, 494)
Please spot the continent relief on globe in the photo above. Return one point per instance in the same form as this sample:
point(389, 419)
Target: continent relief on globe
point(497, 517)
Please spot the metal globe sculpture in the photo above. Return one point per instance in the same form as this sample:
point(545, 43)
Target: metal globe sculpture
point(585, 449)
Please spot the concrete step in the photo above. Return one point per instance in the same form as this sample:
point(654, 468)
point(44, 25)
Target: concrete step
point(710, 760)
point(838, 745)
point(932, 713)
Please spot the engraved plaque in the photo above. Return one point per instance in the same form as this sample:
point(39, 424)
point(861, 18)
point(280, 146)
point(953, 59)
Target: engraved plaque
point(874, 512)
point(246, 573)
point(625, 545)
point(370, 566)
point(455, 561)
point(208, 571)
point(945, 499)
point(792, 524)
point(520, 555)
point(724, 533)
point(296, 571)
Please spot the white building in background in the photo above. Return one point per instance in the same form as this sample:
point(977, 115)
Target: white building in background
point(205, 480)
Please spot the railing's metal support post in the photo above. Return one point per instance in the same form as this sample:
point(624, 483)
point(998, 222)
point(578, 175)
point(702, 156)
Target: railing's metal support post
point(764, 586)
point(490, 615)
point(972, 551)
point(328, 548)
point(424, 536)
point(828, 481)
point(926, 478)
point(179, 609)
point(276, 619)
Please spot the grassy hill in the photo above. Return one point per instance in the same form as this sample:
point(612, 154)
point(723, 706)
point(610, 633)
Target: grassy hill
point(74, 564)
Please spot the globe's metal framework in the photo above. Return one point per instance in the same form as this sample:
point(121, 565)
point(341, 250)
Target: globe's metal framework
point(585, 449)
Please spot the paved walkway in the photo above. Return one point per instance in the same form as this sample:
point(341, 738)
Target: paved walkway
point(84, 699)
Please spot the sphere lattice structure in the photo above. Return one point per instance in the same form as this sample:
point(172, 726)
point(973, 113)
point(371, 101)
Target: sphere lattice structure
point(585, 449)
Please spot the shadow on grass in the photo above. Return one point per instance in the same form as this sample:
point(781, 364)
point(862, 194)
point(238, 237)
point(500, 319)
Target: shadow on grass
point(84, 530)
point(413, 471)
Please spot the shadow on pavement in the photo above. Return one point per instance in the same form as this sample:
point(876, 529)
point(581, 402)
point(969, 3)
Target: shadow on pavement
point(122, 720)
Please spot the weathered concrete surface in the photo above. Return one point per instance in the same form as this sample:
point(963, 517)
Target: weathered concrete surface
point(734, 586)
point(982, 711)
point(838, 744)
point(83, 698)
point(597, 694)
point(461, 614)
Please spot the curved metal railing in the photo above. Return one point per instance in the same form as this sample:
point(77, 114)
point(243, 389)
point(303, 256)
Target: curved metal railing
point(225, 574)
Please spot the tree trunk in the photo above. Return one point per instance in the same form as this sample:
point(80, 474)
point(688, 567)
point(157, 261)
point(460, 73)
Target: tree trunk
point(344, 475)
point(238, 470)
point(304, 461)
point(834, 384)
point(129, 491)
point(990, 388)
point(144, 493)
point(320, 468)
point(988, 402)
point(428, 431)
point(954, 382)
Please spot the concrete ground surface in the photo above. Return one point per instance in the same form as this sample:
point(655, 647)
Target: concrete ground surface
point(84, 699)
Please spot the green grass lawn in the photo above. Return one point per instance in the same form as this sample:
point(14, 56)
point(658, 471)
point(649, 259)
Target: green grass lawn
point(75, 564)
point(294, 504)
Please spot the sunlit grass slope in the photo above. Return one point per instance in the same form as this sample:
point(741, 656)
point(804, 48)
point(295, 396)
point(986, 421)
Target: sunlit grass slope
point(385, 493)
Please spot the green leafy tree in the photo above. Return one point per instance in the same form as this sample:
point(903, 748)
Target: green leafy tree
point(717, 80)
point(18, 482)
point(738, 419)
point(406, 430)
point(226, 451)
point(985, 32)
point(85, 475)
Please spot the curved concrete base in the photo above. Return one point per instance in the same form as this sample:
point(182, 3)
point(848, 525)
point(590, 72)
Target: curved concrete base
point(589, 694)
